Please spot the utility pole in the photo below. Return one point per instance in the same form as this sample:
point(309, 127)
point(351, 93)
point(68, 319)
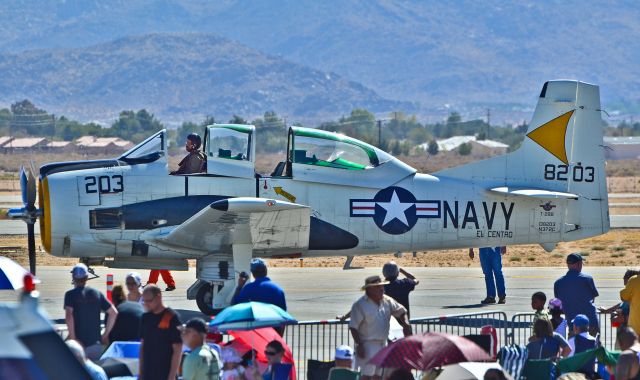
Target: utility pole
point(488, 122)
point(380, 134)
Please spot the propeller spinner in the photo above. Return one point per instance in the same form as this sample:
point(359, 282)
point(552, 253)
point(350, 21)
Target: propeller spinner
point(28, 213)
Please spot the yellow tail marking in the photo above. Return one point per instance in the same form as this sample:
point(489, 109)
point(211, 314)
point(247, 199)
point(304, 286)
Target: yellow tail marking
point(551, 136)
point(284, 193)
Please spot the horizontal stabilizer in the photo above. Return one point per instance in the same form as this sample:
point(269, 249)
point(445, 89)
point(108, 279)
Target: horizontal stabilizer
point(533, 193)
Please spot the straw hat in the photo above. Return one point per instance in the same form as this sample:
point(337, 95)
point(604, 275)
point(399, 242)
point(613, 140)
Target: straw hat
point(373, 281)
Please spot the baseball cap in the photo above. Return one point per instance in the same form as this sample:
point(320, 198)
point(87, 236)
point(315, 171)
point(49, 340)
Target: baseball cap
point(580, 320)
point(344, 353)
point(197, 324)
point(80, 271)
point(257, 264)
point(555, 304)
point(574, 258)
point(136, 277)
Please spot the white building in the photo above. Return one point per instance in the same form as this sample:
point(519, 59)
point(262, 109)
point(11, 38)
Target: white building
point(92, 144)
point(478, 147)
point(25, 144)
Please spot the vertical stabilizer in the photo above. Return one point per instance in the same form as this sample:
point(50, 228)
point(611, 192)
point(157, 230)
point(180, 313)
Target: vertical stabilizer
point(562, 151)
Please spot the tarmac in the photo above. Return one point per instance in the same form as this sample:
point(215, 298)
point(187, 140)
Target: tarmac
point(323, 293)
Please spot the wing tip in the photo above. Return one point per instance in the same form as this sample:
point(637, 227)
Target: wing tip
point(221, 205)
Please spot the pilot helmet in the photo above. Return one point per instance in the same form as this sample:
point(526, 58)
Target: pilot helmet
point(195, 139)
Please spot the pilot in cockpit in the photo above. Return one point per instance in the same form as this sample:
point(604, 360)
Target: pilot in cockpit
point(195, 161)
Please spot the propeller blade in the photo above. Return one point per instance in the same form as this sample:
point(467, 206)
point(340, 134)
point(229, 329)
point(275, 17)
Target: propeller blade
point(23, 185)
point(32, 166)
point(31, 239)
point(31, 189)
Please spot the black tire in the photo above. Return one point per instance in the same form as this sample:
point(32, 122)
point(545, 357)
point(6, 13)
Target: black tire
point(203, 300)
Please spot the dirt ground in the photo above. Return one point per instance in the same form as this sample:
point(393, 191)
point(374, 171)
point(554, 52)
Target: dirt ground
point(616, 248)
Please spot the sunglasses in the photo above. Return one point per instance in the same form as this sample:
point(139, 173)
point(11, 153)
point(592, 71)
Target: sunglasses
point(147, 300)
point(270, 353)
point(131, 283)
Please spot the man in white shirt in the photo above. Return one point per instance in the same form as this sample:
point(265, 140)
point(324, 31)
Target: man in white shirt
point(370, 322)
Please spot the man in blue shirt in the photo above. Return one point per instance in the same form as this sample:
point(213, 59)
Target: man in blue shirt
point(398, 288)
point(491, 263)
point(577, 292)
point(262, 289)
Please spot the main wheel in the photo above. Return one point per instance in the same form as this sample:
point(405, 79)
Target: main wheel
point(204, 299)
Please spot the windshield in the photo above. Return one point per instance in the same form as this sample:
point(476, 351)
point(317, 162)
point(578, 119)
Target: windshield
point(153, 147)
point(229, 143)
point(314, 147)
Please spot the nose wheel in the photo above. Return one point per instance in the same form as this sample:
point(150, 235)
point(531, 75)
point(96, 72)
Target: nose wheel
point(204, 299)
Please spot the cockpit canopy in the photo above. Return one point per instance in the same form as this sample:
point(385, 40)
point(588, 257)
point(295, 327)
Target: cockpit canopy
point(150, 150)
point(320, 156)
point(230, 150)
point(320, 148)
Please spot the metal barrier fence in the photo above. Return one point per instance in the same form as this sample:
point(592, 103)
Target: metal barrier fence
point(521, 328)
point(316, 340)
point(464, 324)
point(319, 339)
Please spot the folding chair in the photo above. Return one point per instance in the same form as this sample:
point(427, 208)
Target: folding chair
point(343, 374)
point(318, 370)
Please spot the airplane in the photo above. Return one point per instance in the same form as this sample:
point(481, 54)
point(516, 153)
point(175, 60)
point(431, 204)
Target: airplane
point(332, 195)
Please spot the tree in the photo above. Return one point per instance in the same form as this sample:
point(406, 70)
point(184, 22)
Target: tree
point(25, 107)
point(237, 120)
point(30, 120)
point(418, 135)
point(454, 118)
point(481, 136)
point(134, 126)
point(432, 148)
point(464, 149)
point(394, 147)
point(188, 127)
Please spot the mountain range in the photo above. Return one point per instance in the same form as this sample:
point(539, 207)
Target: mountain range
point(389, 54)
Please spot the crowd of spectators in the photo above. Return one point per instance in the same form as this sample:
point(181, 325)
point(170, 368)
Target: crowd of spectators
point(565, 326)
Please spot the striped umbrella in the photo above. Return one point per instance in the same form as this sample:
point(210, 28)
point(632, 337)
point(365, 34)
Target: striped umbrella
point(427, 351)
point(12, 274)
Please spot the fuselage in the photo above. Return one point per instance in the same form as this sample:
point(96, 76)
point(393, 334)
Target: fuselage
point(100, 211)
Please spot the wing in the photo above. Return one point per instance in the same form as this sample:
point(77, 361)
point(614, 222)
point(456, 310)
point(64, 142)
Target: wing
point(270, 226)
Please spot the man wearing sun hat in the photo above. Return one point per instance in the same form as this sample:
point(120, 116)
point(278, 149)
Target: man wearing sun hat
point(370, 323)
point(577, 291)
